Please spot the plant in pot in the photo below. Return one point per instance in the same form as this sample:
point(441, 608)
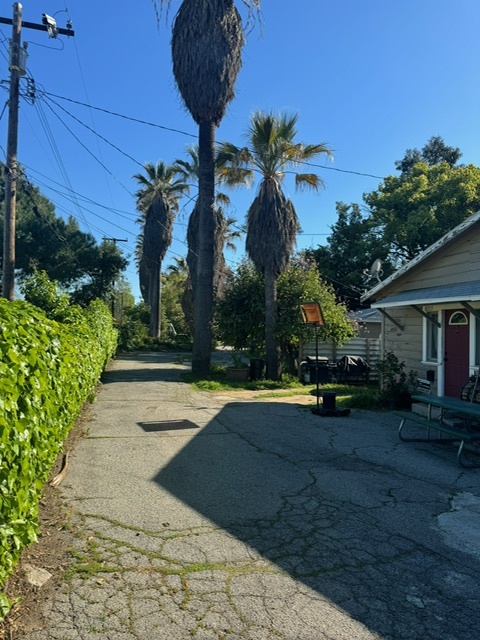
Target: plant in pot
point(239, 370)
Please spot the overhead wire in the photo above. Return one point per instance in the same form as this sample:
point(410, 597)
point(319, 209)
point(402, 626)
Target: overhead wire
point(89, 152)
point(96, 133)
point(185, 133)
point(58, 158)
point(120, 115)
point(82, 75)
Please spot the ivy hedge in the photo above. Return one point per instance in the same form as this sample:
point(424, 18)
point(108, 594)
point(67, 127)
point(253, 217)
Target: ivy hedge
point(48, 369)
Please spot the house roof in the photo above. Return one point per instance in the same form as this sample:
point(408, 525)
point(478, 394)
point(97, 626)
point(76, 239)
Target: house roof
point(367, 315)
point(462, 291)
point(444, 241)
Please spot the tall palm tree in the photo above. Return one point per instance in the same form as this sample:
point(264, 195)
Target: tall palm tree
point(157, 202)
point(207, 42)
point(224, 234)
point(272, 222)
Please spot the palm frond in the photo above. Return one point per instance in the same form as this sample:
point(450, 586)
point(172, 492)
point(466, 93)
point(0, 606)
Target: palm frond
point(207, 41)
point(308, 181)
point(272, 226)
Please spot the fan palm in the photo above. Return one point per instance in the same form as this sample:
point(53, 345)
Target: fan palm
point(207, 42)
point(272, 222)
point(157, 202)
point(224, 234)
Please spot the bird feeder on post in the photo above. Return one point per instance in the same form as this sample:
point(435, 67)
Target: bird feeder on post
point(312, 316)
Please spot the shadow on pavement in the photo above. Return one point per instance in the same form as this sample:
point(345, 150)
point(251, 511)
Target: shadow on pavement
point(345, 526)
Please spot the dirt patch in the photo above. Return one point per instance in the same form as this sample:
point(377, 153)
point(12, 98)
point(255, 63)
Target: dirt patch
point(265, 396)
point(50, 553)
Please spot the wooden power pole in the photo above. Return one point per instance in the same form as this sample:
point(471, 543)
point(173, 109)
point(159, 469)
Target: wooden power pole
point(17, 69)
point(12, 165)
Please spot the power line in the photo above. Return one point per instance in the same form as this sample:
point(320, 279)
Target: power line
point(185, 133)
point(56, 153)
point(96, 133)
point(89, 152)
point(120, 115)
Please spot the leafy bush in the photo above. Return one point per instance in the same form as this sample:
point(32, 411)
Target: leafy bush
point(47, 371)
point(133, 335)
point(397, 385)
point(44, 293)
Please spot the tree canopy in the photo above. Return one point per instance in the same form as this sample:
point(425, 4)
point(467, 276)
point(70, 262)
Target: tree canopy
point(404, 215)
point(413, 210)
point(240, 313)
point(47, 242)
point(351, 249)
point(435, 151)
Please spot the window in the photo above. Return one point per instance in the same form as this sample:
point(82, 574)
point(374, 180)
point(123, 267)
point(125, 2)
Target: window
point(458, 318)
point(431, 338)
point(477, 342)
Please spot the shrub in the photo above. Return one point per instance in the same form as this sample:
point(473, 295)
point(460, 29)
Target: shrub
point(47, 371)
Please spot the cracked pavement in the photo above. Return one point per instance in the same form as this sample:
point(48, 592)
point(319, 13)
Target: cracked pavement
point(199, 516)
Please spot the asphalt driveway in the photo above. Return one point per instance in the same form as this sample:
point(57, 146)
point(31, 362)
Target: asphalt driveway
point(201, 516)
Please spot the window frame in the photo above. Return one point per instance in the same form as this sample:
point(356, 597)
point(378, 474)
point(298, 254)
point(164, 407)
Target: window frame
point(428, 329)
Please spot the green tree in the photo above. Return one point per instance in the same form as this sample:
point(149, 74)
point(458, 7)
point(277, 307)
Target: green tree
point(415, 209)
point(434, 152)
point(157, 201)
point(123, 298)
point(106, 263)
point(207, 42)
point(241, 311)
point(351, 248)
point(272, 222)
point(173, 289)
point(46, 242)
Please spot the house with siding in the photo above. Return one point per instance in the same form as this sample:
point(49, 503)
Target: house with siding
point(431, 310)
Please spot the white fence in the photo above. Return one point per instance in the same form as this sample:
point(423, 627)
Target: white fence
point(366, 348)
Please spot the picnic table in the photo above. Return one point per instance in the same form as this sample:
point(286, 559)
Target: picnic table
point(463, 424)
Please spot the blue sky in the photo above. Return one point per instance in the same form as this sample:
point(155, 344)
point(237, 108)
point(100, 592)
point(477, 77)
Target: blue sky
point(371, 79)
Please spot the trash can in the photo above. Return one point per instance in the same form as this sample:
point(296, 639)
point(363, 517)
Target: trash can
point(257, 366)
point(329, 401)
point(321, 369)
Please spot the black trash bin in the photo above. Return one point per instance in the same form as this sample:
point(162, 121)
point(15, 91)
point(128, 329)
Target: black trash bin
point(257, 366)
point(329, 401)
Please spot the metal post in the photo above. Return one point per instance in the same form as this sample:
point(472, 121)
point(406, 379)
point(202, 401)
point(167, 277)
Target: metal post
point(316, 369)
point(8, 282)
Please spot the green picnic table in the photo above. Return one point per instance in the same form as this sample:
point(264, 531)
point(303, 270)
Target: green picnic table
point(463, 418)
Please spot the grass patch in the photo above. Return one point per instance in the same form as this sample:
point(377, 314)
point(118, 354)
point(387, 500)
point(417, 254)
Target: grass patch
point(366, 396)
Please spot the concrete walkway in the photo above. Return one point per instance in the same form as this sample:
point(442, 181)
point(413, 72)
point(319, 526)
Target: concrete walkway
point(209, 518)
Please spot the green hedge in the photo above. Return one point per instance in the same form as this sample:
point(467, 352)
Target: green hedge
point(47, 372)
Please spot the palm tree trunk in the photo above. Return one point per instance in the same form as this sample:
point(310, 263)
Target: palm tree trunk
point(272, 350)
point(202, 337)
point(155, 285)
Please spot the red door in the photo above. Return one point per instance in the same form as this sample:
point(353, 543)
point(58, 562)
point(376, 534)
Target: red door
point(457, 333)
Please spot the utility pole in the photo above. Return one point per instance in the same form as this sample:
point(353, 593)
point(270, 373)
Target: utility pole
point(17, 68)
point(11, 166)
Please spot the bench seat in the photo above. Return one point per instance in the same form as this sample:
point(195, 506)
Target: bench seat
point(455, 431)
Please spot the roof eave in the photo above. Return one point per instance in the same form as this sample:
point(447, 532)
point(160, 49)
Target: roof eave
point(429, 301)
